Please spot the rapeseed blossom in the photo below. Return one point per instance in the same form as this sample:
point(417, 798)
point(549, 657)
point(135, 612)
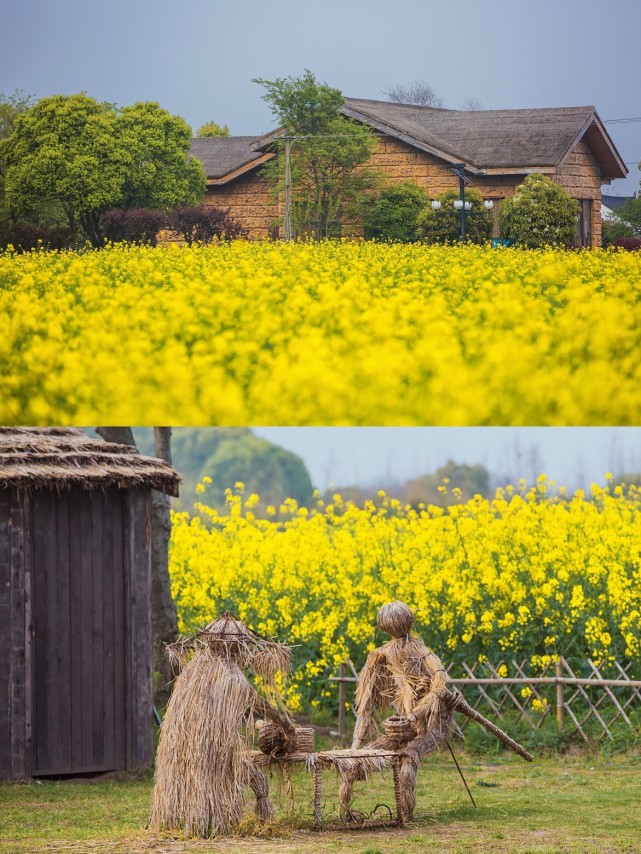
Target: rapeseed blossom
point(324, 333)
point(524, 574)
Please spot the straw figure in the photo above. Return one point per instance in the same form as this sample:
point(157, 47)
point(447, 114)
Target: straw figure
point(407, 676)
point(202, 766)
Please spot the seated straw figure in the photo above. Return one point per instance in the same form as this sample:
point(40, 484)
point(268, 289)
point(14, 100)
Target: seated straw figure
point(202, 765)
point(409, 677)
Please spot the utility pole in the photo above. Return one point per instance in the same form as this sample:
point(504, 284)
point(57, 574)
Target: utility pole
point(288, 191)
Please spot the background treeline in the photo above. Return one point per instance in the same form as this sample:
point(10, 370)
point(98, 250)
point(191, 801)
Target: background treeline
point(231, 455)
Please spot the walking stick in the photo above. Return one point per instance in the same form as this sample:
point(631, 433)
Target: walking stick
point(456, 702)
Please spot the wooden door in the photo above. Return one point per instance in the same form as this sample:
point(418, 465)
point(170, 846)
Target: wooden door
point(78, 618)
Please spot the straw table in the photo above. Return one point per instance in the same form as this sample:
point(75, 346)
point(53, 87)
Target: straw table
point(341, 760)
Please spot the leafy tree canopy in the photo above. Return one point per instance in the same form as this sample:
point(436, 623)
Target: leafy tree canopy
point(228, 455)
point(540, 213)
point(212, 129)
point(327, 187)
point(89, 156)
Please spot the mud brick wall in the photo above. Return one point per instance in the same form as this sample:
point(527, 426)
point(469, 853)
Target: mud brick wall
point(580, 177)
point(250, 200)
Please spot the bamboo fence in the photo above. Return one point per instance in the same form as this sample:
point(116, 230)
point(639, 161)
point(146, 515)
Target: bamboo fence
point(589, 699)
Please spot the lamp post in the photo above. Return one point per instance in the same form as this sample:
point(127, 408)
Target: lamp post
point(461, 205)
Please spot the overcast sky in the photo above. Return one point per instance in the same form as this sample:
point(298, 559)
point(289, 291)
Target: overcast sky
point(378, 456)
point(197, 57)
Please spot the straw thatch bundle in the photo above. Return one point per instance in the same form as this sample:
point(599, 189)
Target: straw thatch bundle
point(202, 767)
point(63, 457)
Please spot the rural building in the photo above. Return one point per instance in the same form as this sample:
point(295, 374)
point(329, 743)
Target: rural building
point(75, 615)
point(498, 147)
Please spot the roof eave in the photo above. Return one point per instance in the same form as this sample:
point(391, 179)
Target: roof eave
point(602, 146)
point(448, 156)
point(240, 170)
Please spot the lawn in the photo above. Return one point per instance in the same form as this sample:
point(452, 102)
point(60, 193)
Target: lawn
point(576, 803)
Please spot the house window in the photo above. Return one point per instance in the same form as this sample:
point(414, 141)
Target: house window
point(584, 224)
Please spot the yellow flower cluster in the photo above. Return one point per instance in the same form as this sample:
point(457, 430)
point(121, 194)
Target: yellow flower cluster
point(525, 574)
point(329, 333)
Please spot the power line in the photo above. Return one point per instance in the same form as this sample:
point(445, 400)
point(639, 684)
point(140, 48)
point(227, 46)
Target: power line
point(622, 121)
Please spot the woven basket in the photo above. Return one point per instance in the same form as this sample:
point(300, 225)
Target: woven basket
point(272, 741)
point(398, 729)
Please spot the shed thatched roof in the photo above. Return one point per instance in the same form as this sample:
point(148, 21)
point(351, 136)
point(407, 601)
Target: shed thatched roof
point(60, 457)
point(494, 139)
point(226, 155)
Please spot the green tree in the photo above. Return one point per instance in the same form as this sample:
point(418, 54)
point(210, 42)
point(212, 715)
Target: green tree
point(153, 148)
point(87, 157)
point(328, 153)
point(444, 226)
point(212, 129)
point(394, 214)
point(630, 214)
point(540, 213)
point(470, 480)
point(272, 472)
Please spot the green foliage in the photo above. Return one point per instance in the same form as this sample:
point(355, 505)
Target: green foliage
point(393, 216)
point(467, 480)
point(212, 129)
point(87, 157)
point(540, 213)
point(229, 455)
point(444, 226)
point(152, 146)
point(612, 230)
point(265, 469)
point(327, 186)
point(630, 213)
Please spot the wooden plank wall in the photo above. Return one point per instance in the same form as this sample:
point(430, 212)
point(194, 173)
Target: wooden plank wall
point(79, 618)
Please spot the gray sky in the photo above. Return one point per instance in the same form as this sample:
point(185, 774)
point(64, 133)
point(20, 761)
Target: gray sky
point(376, 456)
point(197, 57)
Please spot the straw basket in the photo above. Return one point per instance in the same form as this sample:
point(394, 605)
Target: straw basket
point(398, 729)
point(272, 741)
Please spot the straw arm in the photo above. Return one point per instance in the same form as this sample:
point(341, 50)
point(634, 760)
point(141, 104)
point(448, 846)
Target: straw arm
point(456, 702)
point(282, 719)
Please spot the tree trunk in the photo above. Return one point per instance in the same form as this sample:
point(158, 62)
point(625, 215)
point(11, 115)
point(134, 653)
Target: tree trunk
point(164, 622)
point(163, 608)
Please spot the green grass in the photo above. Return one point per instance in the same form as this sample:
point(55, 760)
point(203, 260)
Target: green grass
point(581, 803)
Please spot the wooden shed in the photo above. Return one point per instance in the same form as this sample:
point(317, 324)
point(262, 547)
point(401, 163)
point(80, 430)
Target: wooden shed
point(75, 614)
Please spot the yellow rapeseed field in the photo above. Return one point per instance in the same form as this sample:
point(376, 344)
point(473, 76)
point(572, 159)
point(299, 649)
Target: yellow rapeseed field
point(527, 574)
point(329, 333)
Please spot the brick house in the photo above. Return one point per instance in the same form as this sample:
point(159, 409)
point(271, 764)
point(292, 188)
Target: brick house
point(498, 147)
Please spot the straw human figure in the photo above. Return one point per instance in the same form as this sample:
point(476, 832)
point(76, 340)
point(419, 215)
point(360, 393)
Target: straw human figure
point(202, 765)
point(407, 676)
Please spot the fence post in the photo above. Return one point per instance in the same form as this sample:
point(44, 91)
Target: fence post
point(342, 699)
point(560, 704)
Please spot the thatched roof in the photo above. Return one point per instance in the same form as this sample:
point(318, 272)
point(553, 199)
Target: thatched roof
point(494, 139)
point(60, 457)
point(487, 141)
point(226, 157)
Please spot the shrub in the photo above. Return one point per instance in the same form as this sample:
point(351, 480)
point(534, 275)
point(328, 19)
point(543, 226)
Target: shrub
point(612, 230)
point(132, 225)
point(202, 224)
point(393, 216)
point(540, 213)
point(444, 226)
point(629, 243)
point(25, 236)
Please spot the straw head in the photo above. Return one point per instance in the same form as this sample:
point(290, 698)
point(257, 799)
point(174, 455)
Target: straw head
point(395, 619)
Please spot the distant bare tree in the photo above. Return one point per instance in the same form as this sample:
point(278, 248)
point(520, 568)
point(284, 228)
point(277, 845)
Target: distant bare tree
point(419, 93)
point(471, 104)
